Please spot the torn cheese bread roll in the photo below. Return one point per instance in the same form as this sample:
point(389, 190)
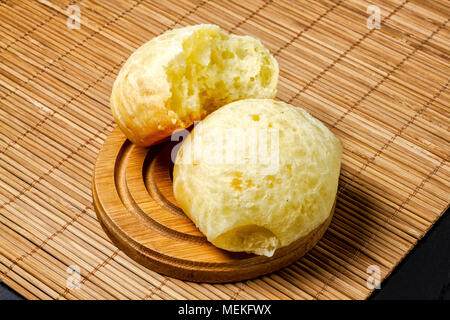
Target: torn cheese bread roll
point(257, 204)
point(183, 75)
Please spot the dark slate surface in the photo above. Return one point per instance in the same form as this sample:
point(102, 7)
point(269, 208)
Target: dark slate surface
point(425, 272)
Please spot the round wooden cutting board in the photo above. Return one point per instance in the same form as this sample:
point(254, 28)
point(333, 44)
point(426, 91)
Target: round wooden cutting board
point(133, 198)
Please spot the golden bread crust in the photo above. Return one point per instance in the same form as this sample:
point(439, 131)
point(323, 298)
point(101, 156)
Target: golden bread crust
point(258, 206)
point(183, 75)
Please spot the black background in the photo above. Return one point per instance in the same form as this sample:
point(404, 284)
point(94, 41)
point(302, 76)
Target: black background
point(423, 274)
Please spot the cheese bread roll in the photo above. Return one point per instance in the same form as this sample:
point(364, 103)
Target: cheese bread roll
point(256, 204)
point(183, 75)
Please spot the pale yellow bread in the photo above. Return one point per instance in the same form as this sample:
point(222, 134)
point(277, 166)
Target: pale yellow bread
point(258, 207)
point(183, 75)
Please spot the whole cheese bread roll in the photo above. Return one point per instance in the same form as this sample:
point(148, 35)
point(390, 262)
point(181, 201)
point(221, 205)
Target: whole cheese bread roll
point(183, 75)
point(256, 204)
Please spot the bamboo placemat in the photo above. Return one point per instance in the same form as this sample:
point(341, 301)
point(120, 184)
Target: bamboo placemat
point(384, 92)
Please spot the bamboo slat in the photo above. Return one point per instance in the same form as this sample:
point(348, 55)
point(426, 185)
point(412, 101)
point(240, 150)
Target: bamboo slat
point(384, 92)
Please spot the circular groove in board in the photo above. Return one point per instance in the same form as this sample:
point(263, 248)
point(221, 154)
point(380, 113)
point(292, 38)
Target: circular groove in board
point(133, 199)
